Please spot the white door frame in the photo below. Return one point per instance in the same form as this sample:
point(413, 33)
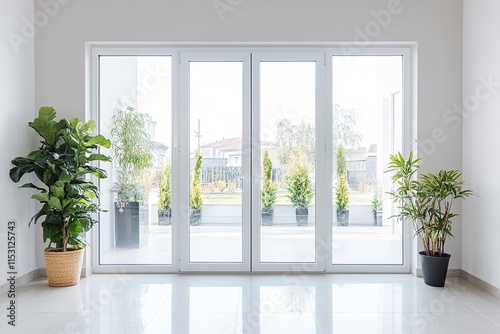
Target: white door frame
point(213, 56)
point(321, 212)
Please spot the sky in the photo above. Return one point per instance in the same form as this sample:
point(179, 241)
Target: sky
point(287, 90)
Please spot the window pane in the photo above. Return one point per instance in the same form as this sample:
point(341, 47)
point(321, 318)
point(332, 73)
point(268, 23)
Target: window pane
point(215, 101)
point(367, 127)
point(134, 99)
point(287, 114)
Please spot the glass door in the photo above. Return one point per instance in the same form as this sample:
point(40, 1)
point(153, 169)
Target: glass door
point(369, 93)
point(215, 194)
point(259, 159)
point(135, 112)
point(285, 159)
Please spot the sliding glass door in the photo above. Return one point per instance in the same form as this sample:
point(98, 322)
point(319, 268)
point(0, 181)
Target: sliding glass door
point(368, 96)
point(215, 192)
point(286, 111)
point(135, 112)
point(258, 159)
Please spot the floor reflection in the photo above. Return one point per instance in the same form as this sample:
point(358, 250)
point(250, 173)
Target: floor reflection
point(267, 304)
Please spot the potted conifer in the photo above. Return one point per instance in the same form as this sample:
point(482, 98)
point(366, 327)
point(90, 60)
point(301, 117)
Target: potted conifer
point(342, 190)
point(377, 207)
point(300, 190)
point(165, 197)
point(268, 192)
point(195, 200)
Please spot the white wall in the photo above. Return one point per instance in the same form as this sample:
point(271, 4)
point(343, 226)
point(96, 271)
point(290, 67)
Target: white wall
point(481, 229)
point(435, 24)
point(17, 82)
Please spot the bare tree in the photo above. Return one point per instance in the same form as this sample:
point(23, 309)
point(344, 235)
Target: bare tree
point(292, 140)
point(344, 128)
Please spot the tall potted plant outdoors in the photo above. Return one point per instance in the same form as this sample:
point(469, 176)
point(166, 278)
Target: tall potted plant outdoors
point(427, 202)
point(132, 147)
point(300, 190)
point(62, 164)
point(269, 190)
point(342, 189)
point(165, 197)
point(195, 200)
point(377, 207)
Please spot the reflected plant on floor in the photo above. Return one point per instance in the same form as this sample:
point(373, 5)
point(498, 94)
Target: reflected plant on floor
point(298, 297)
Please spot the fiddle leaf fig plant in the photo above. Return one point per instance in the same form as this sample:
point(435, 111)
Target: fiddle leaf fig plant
point(62, 164)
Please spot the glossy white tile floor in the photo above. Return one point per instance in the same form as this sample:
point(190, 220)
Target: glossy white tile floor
point(274, 304)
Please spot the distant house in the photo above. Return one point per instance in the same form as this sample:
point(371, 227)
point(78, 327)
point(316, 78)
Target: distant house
point(361, 165)
point(227, 150)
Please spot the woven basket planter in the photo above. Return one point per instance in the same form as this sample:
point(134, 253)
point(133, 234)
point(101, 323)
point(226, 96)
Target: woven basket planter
point(63, 268)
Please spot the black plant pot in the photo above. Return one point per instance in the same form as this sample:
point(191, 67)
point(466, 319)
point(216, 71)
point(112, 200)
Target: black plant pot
point(267, 218)
point(302, 215)
point(164, 216)
point(130, 232)
point(434, 268)
point(342, 217)
point(195, 217)
point(377, 217)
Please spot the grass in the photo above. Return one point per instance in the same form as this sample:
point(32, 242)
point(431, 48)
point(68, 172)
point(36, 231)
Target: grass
point(355, 197)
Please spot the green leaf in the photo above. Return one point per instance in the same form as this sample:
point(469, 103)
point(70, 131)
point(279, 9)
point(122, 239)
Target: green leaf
point(99, 140)
point(65, 177)
point(100, 157)
point(43, 124)
point(42, 197)
point(58, 191)
point(75, 228)
point(55, 202)
point(74, 190)
point(32, 186)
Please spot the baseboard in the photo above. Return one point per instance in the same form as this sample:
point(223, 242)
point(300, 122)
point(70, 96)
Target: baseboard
point(480, 283)
point(20, 280)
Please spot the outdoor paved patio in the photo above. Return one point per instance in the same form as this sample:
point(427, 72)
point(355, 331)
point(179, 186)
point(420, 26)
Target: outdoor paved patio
point(282, 243)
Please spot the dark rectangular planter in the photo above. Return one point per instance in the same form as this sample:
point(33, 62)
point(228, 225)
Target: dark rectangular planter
point(164, 216)
point(342, 217)
point(302, 216)
point(267, 218)
point(131, 229)
point(377, 217)
point(195, 217)
point(434, 268)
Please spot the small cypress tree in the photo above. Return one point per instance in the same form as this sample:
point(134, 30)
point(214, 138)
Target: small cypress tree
point(269, 189)
point(298, 184)
point(342, 191)
point(165, 197)
point(195, 200)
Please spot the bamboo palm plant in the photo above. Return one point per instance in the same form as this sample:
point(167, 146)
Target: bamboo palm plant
point(426, 202)
point(133, 153)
